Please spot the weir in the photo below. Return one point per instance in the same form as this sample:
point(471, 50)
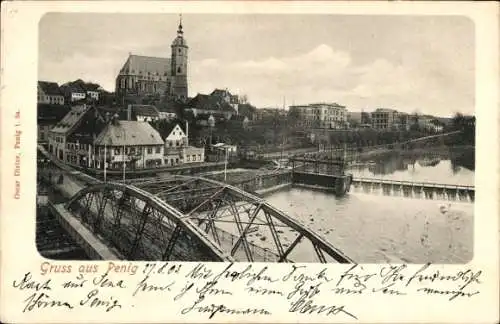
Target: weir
point(421, 190)
point(322, 174)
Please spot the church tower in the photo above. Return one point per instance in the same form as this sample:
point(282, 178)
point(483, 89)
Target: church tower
point(178, 84)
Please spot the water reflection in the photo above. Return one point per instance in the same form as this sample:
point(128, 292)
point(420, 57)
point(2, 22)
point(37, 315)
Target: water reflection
point(447, 166)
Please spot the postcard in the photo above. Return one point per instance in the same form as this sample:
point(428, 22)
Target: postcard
point(249, 162)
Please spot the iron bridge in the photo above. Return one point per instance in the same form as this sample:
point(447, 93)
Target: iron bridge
point(186, 218)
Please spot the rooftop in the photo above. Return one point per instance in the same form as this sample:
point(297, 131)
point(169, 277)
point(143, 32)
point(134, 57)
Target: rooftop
point(206, 102)
point(71, 119)
point(50, 88)
point(126, 132)
point(72, 87)
point(51, 113)
point(144, 110)
point(146, 65)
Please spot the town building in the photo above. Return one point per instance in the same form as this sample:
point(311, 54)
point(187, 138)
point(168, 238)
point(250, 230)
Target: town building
point(385, 119)
point(49, 93)
point(227, 97)
point(269, 113)
point(133, 143)
point(143, 113)
point(70, 140)
point(404, 121)
point(147, 75)
point(177, 148)
point(48, 115)
point(430, 124)
point(73, 92)
point(321, 115)
point(203, 104)
point(92, 90)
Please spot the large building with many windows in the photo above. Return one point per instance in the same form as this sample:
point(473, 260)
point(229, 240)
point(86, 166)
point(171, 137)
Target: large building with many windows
point(321, 115)
point(390, 119)
point(143, 76)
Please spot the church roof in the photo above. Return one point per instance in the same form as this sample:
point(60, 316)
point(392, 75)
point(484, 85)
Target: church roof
point(147, 65)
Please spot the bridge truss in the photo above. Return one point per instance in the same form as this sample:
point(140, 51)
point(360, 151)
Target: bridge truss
point(196, 219)
point(139, 226)
point(243, 225)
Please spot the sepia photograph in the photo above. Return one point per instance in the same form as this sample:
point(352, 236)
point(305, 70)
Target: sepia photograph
point(288, 138)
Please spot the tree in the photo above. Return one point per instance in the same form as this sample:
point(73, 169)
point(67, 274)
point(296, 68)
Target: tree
point(458, 121)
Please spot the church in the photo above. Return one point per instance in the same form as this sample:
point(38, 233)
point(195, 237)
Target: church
point(143, 76)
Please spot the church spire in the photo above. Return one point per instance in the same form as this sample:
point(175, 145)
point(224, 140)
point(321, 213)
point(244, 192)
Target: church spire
point(179, 31)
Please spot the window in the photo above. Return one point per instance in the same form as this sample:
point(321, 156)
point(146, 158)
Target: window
point(194, 157)
point(177, 160)
point(180, 51)
point(117, 151)
point(158, 149)
point(150, 150)
point(187, 156)
point(199, 157)
point(179, 69)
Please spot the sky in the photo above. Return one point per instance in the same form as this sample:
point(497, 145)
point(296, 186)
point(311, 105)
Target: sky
point(419, 64)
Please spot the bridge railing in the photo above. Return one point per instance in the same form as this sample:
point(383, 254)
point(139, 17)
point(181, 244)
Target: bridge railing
point(412, 183)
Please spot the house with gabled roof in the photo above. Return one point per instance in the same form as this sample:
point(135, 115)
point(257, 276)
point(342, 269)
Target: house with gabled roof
point(142, 113)
point(206, 104)
point(70, 139)
point(133, 143)
point(73, 92)
point(49, 93)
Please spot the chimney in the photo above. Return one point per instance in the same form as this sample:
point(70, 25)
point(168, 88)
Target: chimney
point(129, 112)
point(114, 120)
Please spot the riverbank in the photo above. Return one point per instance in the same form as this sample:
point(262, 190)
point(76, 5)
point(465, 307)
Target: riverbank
point(463, 152)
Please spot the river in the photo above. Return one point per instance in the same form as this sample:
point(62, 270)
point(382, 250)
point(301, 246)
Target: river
point(372, 228)
point(437, 169)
